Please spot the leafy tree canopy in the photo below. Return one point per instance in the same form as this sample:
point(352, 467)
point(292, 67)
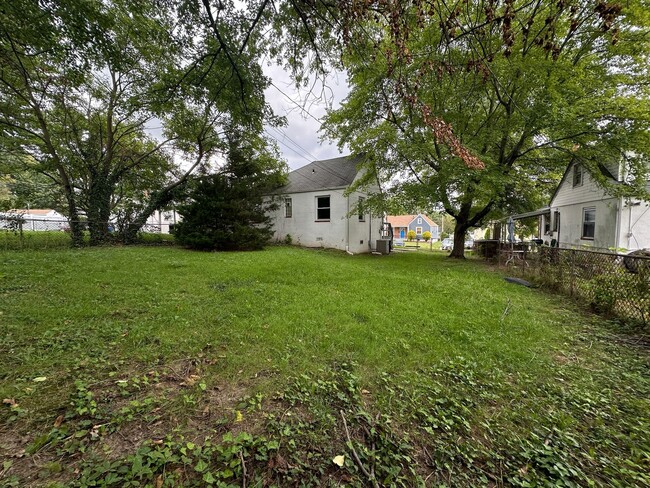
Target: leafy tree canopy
point(84, 83)
point(482, 116)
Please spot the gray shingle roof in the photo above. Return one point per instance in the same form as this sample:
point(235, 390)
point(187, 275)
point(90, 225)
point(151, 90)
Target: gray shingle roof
point(322, 175)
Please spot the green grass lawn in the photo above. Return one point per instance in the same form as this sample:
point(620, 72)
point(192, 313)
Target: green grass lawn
point(415, 368)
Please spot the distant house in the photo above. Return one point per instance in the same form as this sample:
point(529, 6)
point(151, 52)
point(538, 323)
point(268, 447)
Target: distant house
point(315, 211)
point(39, 219)
point(162, 221)
point(419, 224)
point(583, 215)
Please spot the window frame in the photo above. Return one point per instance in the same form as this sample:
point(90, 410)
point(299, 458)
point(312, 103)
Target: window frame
point(591, 223)
point(578, 175)
point(288, 208)
point(418, 233)
point(328, 208)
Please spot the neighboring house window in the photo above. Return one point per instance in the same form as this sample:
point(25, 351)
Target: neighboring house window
point(288, 209)
point(556, 221)
point(588, 223)
point(418, 231)
point(323, 208)
point(578, 174)
point(362, 217)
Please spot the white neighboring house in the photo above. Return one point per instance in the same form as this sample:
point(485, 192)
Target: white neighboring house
point(315, 212)
point(162, 221)
point(584, 215)
point(39, 219)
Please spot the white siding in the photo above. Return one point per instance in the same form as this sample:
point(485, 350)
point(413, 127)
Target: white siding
point(571, 201)
point(567, 194)
point(340, 232)
point(571, 224)
point(635, 225)
point(619, 224)
point(161, 220)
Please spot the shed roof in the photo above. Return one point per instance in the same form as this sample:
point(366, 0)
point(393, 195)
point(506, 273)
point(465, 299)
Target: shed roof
point(323, 175)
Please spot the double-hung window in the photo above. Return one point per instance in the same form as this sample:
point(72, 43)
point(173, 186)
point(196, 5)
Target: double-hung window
point(323, 208)
point(588, 222)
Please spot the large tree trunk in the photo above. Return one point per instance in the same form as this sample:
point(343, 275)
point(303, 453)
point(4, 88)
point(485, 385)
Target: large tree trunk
point(99, 211)
point(458, 252)
point(76, 228)
point(157, 201)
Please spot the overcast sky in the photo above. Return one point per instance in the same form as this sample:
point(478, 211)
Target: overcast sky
point(299, 141)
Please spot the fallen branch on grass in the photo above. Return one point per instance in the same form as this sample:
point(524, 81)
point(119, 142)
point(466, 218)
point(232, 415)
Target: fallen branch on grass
point(371, 477)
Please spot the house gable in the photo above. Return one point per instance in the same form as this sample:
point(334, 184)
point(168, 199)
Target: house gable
point(424, 222)
point(585, 191)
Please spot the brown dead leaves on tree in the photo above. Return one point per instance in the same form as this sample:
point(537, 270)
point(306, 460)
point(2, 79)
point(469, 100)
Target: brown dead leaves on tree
point(512, 19)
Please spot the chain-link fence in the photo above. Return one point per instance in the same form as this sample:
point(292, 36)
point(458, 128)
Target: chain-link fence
point(612, 284)
point(24, 232)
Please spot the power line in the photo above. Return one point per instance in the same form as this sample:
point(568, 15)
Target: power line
point(314, 160)
point(287, 146)
point(285, 135)
point(296, 103)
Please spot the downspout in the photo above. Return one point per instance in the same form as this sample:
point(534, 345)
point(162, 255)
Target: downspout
point(370, 231)
point(347, 233)
point(629, 225)
point(619, 223)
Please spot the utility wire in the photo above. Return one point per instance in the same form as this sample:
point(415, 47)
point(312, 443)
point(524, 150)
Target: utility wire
point(286, 136)
point(314, 160)
point(296, 103)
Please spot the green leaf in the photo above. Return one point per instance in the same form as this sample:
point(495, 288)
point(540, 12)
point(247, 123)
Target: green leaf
point(201, 466)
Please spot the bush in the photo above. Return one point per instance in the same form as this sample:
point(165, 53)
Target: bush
point(227, 211)
point(411, 235)
point(426, 236)
point(487, 234)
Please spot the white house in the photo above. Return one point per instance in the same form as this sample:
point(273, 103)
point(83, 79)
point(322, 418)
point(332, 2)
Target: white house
point(583, 214)
point(38, 219)
point(162, 221)
point(315, 210)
